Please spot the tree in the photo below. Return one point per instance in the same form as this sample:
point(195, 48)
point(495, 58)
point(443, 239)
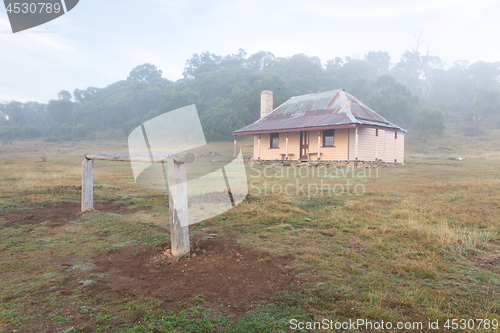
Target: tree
point(30, 132)
point(334, 64)
point(418, 70)
point(145, 73)
point(64, 95)
point(361, 89)
point(487, 103)
point(61, 111)
point(234, 60)
point(297, 66)
point(88, 94)
point(203, 63)
point(130, 125)
point(9, 133)
point(485, 75)
point(220, 120)
point(429, 121)
point(79, 131)
point(394, 101)
point(381, 59)
point(173, 100)
point(260, 60)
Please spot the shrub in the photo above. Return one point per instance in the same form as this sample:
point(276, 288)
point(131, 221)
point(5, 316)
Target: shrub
point(79, 131)
point(30, 132)
point(9, 133)
point(429, 121)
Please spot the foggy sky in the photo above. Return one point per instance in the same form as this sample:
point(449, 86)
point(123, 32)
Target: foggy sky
point(99, 42)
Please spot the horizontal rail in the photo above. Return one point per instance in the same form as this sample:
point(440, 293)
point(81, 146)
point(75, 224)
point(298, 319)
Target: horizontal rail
point(154, 158)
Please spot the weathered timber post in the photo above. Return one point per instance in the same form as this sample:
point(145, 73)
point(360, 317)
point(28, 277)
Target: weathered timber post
point(88, 177)
point(178, 207)
point(235, 147)
point(87, 184)
point(177, 194)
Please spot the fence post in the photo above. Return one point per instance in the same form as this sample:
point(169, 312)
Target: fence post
point(178, 206)
point(87, 184)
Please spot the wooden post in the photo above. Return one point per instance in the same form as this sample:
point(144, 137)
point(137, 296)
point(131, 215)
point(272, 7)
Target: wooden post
point(319, 143)
point(234, 156)
point(287, 145)
point(376, 144)
point(356, 147)
point(87, 184)
point(178, 207)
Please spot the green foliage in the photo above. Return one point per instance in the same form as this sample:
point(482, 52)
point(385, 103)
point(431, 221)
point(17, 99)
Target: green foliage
point(63, 130)
point(80, 131)
point(129, 126)
point(64, 95)
point(174, 99)
point(219, 121)
point(226, 92)
point(61, 111)
point(429, 121)
point(30, 132)
point(89, 94)
point(487, 103)
point(8, 133)
point(394, 101)
point(145, 73)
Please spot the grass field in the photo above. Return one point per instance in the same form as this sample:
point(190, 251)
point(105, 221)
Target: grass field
point(414, 243)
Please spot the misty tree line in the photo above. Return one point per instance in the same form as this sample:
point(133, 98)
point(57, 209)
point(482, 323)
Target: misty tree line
point(418, 92)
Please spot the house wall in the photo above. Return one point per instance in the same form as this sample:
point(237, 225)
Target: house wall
point(293, 145)
point(266, 152)
point(400, 149)
point(388, 146)
point(381, 145)
point(366, 144)
point(336, 153)
point(344, 148)
point(255, 146)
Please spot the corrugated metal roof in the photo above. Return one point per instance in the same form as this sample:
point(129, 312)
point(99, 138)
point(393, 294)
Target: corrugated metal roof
point(328, 108)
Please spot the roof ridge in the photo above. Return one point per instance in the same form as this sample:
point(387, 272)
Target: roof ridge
point(346, 106)
point(319, 92)
point(327, 108)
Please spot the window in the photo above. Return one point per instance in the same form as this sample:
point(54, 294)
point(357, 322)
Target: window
point(328, 138)
point(275, 140)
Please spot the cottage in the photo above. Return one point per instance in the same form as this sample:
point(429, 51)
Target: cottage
point(331, 125)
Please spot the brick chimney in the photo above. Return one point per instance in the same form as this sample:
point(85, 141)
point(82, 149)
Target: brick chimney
point(266, 102)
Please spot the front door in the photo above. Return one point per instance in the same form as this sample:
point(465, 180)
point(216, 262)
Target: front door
point(304, 144)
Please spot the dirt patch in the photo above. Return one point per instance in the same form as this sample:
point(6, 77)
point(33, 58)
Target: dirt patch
point(57, 214)
point(218, 269)
point(490, 260)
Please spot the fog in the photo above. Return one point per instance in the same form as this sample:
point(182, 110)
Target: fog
point(417, 92)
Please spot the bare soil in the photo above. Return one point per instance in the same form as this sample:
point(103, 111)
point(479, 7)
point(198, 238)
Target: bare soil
point(218, 269)
point(57, 214)
point(489, 261)
point(225, 277)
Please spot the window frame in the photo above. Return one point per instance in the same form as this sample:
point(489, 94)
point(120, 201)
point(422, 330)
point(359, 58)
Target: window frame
point(325, 136)
point(271, 136)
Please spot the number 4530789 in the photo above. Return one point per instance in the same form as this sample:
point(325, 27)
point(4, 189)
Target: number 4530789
point(32, 8)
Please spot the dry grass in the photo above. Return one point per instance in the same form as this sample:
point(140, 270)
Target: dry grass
point(400, 251)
